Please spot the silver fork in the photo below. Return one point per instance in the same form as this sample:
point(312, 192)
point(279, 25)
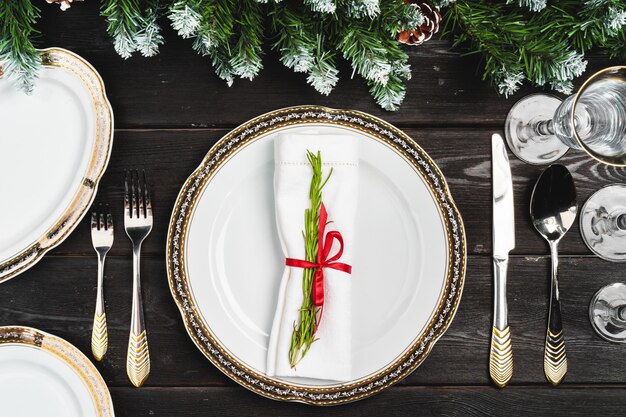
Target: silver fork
point(102, 240)
point(138, 224)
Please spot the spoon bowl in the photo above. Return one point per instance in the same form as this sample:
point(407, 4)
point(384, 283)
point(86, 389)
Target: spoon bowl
point(553, 203)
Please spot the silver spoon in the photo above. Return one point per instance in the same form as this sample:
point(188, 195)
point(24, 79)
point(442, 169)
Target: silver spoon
point(553, 210)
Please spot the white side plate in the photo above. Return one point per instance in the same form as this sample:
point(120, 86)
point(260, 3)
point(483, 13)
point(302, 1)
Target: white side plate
point(43, 375)
point(54, 146)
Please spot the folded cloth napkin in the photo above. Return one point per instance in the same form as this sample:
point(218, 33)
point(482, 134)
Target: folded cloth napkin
point(330, 356)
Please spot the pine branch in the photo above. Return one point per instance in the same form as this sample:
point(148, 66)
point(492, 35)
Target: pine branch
point(19, 59)
point(371, 47)
point(323, 72)
point(223, 29)
point(149, 38)
point(248, 50)
point(185, 17)
point(544, 47)
point(294, 36)
point(205, 38)
point(321, 6)
point(124, 23)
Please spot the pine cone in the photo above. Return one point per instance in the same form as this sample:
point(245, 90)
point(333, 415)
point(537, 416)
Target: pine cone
point(422, 33)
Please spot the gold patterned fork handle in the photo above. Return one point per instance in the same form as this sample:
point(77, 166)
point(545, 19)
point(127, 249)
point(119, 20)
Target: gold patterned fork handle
point(99, 333)
point(138, 359)
point(138, 355)
point(99, 336)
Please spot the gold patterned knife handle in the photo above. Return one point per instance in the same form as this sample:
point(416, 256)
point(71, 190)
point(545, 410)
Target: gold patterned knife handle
point(501, 356)
point(501, 352)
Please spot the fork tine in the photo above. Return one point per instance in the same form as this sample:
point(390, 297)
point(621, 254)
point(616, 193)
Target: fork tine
point(94, 220)
point(133, 194)
point(109, 222)
point(141, 185)
point(100, 217)
point(147, 196)
point(127, 210)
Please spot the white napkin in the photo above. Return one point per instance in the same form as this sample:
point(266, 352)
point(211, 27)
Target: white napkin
point(330, 356)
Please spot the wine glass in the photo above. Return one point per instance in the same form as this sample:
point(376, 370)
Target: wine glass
point(603, 223)
point(540, 128)
point(603, 227)
point(607, 312)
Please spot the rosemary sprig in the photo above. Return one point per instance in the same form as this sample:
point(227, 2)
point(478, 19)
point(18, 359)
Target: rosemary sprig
point(304, 331)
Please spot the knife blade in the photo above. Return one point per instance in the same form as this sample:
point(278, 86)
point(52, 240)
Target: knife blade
point(503, 236)
point(503, 220)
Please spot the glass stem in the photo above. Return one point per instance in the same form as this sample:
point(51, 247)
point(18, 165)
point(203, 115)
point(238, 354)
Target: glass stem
point(620, 222)
point(545, 127)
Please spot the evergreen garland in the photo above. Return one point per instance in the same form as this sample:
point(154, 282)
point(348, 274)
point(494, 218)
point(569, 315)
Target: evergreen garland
point(541, 41)
point(532, 40)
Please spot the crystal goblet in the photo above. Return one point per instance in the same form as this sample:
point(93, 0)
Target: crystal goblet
point(540, 128)
point(607, 312)
point(603, 223)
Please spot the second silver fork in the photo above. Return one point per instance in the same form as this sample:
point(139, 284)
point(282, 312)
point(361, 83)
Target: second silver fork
point(102, 239)
point(138, 224)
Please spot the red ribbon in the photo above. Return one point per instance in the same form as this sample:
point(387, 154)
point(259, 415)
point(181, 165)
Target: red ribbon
point(324, 246)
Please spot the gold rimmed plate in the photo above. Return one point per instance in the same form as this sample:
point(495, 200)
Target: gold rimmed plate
point(225, 261)
point(54, 147)
point(43, 375)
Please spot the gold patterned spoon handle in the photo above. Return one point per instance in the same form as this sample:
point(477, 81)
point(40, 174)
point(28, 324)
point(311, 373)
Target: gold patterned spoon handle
point(554, 357)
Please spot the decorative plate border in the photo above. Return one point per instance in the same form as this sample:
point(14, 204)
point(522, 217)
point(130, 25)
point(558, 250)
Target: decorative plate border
point(67, 353)
point(271, 387)
point(101, 151)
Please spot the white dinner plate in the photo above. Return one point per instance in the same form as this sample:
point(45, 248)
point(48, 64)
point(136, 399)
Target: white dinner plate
point(225, 261)
point(43, 375)
point(54, 146)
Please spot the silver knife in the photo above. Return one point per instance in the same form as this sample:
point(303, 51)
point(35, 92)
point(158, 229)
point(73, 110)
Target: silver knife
point(501, 353)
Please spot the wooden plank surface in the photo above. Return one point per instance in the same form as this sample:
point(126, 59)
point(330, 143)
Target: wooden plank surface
point(170, 109)
point(405, 401)
point(170, 156)
point(58, 296)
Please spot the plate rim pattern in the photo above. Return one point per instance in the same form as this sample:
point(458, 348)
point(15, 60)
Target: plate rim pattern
point(288, 391)
point(101, 152)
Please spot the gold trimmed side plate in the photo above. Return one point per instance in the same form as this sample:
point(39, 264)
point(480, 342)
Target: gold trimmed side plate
point(292, 389)
point(60, 227)
point(65, 353)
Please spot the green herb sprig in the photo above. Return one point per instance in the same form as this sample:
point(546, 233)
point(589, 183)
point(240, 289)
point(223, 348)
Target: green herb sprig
point(303, 334)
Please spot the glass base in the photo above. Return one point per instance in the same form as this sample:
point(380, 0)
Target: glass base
point(601, 223)
point(607, 312)
point(521, 136)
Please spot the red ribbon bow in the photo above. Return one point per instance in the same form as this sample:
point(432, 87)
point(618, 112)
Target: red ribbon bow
point(324, 246)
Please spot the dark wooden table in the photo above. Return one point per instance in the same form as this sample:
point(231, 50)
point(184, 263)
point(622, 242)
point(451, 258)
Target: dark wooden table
point(170, 109)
